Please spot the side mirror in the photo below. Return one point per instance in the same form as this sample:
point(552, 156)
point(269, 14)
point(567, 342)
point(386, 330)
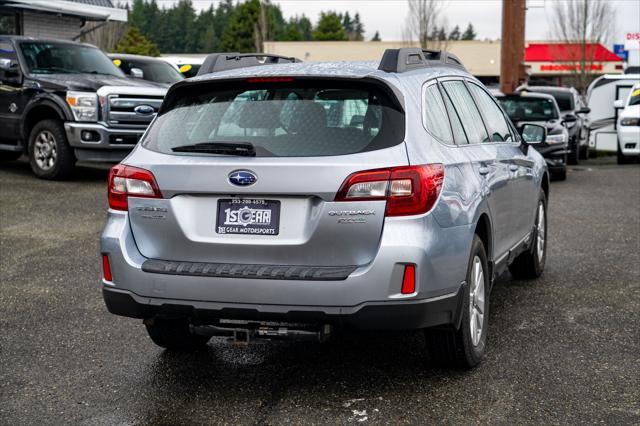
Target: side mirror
point(532, 134)
point(584, 110)
point(137, 73)
point(569, 118)
point(10, 71)
point(619, 104)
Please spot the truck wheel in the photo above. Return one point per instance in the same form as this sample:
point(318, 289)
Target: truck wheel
point(465, 347)
point(559, 175)
point(10, 155)
point(50, 155)
point(584, 152)
point(530, 264)
point(174, 335)
point(574, 156)
point(622, 159)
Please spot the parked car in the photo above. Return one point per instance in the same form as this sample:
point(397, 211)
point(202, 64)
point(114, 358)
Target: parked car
point(602, 94)
point(542, 109)
point(573, 113)
point(629, 126)
point(147, 68)
point(62, 101)
point(284, 200)
point(187, 65)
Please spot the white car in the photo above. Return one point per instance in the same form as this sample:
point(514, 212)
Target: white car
point(629, 126)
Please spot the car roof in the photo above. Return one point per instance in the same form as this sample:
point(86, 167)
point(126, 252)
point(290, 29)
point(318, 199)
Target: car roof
point(547, 89)
point(336, 69)
point(131, 57)
point(528, 95)
point(46, 40)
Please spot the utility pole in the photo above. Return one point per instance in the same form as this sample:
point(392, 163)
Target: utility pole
point(512, 71)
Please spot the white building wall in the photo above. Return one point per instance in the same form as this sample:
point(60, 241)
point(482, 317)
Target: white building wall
point(46, 25)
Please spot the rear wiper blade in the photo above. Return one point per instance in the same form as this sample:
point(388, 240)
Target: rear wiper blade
point(223, 148)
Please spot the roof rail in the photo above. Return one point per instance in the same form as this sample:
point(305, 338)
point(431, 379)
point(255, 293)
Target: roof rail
point(231, 60)
point(410, 58)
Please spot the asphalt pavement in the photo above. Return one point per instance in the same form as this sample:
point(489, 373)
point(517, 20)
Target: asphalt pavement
point(562, 349)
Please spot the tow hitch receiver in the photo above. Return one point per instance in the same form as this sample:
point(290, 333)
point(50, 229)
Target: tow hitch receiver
point(243, 333)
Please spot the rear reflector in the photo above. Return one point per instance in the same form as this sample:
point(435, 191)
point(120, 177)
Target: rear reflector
point(106, 268)
point(125, 181)
point(409, 280)
point(409, 190)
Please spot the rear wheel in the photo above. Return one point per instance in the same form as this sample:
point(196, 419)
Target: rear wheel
point(530, 264)
point(50, 156)
point(465, 347)
point(584, 152)
point(174, 334)
point(574, 156)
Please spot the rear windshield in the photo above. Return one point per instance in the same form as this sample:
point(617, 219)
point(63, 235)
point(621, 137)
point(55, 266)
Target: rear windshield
point(529, 109)
point(285, 118)
point(564, 100)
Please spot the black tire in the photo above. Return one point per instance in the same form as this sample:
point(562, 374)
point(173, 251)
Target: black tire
point(529, 264)
point(574, 156)
point(174, 335)
point(455, 348)
point(584, 152)
point(622, 159)
point(559, 175)
point(10, 155)
point(63, 161)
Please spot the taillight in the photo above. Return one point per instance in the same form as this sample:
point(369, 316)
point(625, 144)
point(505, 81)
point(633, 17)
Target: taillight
point(126, 181)
point(409, 190)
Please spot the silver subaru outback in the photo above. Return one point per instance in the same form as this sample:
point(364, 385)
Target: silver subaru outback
point(272, 199)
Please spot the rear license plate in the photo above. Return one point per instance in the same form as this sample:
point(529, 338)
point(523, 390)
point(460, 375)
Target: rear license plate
point(248, 216)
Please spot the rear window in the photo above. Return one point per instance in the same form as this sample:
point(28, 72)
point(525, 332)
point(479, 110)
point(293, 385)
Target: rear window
point(280, 118)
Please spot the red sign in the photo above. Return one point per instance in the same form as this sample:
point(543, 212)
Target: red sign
point(569, 67)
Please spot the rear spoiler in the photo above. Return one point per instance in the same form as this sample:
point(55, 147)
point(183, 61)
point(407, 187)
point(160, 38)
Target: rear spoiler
point(233, 60)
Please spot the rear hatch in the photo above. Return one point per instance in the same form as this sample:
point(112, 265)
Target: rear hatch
point(249, 172)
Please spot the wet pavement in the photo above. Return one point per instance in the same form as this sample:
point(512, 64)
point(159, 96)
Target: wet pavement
point(562, 349)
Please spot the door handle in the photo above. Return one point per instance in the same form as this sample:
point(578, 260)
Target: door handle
point(483, 170)
point(513, 167)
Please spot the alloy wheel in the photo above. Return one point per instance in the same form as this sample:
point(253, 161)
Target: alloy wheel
point(476, 301)
point(540, 232)
point(44, 150)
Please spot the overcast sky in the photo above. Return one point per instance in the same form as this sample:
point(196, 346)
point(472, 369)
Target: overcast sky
point(387, 16)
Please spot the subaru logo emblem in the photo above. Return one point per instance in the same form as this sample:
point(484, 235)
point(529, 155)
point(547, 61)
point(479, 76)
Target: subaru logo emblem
point(242, 178)
point(144, 109)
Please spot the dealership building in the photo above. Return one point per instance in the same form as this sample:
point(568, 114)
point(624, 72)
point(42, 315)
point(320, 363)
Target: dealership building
point(546, 62)
point(63, 19)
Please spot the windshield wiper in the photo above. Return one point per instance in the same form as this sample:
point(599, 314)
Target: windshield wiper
point(245, 149)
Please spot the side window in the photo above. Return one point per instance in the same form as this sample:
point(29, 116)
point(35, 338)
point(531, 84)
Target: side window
point(435, 114)
point(496, 121)
point(459, 137)
point(467, 110)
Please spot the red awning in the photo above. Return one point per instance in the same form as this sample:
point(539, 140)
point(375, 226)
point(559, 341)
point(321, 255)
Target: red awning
point(567, 52)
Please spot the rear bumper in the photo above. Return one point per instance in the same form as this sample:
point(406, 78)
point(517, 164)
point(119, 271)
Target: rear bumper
point(406, 315)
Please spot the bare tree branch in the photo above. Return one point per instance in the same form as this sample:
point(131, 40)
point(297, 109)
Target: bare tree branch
point(585, 23)
point(423, 16)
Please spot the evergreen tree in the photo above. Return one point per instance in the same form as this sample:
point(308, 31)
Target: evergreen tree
point(135, 43)
point(469, 33)
point(455, 33)
point(306, 27)
point(358, 28)
point(376, 37)
point(442, 34)
point(434, 33)
point(348, 25)
point(329, 28)
point(239, 33)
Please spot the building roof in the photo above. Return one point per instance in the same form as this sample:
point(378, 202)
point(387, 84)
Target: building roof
point(96, 10)
point(567, 52)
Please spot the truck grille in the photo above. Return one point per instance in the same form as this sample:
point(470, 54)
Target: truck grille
point(131, 111)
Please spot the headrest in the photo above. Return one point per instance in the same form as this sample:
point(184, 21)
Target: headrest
point(307, 116)
point(259, 115)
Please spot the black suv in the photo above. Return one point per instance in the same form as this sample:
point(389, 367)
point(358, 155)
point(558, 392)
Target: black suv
point(541, 109)
point(147, 68)
point(574, 114)
point(62, 101)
